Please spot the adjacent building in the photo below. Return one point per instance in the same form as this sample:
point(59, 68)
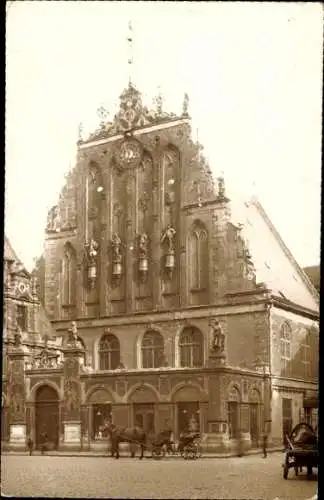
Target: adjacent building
point(176, 306)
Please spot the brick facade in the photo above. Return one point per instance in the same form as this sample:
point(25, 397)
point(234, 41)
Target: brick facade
point(142, 240)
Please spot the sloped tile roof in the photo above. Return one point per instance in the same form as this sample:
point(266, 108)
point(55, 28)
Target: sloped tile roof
point(274, 264)
point(9, 253)
point(314, 274)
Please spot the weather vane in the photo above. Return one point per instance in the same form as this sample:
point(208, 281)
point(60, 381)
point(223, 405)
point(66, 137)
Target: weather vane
point(130, 48)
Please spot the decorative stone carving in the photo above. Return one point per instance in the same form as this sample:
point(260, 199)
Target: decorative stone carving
point(72, 395)
point(117, 268)
point(132, 114)
point(169, 235)
point(73, 338)
point(185, 105)
point(221, 187)
point(53, 220)
point(92, 247)
point(218, 337)
point(143, 256)
point(18, 337)
point(45, 360)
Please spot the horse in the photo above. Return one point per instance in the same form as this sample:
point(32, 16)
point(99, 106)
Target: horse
point(163, 440)
point(133, 435)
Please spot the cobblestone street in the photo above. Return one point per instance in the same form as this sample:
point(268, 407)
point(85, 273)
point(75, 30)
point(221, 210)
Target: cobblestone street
point(250, 477)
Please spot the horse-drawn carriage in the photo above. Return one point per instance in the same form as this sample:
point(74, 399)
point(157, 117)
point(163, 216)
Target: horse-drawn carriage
point(302, 450)
point(189, 445)
point(158, 445)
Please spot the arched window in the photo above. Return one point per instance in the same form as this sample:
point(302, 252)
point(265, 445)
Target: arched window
point(285, 348)
point(191, 348)
point(152, 350)
point(69, 275)
point(199, 256)
point(109, 353)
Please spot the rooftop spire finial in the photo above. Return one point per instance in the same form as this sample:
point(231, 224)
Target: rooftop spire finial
point(130, 50)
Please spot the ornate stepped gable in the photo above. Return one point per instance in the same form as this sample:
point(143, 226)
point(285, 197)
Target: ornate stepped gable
point(133, 115)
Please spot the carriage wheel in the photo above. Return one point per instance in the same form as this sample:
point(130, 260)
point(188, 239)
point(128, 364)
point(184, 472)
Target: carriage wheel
point(156, 452)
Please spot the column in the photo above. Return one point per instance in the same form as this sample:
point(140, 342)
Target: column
point(216, 439)
point(16, 394)
point(73, 358)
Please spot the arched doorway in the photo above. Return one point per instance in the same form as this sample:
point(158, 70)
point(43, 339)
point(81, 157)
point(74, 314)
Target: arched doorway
point(187, 400)
point(47, 416)
point(144, 402)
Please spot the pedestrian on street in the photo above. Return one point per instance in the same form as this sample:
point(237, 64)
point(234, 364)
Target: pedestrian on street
point(43, 442)
point(240, 445)
point(30, 444)
point(264, 444)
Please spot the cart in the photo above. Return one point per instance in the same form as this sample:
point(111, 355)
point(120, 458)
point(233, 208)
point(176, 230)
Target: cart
point(302, 450)
point(190, 445)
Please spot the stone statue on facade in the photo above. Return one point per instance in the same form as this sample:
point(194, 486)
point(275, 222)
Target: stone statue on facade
point(185, 105)
point(73, 336)
point(168, 236)
point(18, 337)
point(143, 244)
point(92, 249)
point(218, 339)
point(53, 219)
point(116, 245)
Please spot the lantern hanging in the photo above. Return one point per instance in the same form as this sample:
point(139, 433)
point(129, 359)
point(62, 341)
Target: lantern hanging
point(170, 263)
point(92, 274)
point(143, 268)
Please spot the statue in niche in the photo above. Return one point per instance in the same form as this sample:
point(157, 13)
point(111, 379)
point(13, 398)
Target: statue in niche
point(116, 244)
point(53, 219)
point(218, 340)
point(169, 235)
point(18, 336)
point(143, 244)
point(93, 247)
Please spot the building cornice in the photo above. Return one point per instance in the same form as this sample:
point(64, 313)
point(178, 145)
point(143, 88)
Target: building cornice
point(287, 305)
point(190, 314)
point(140, 131)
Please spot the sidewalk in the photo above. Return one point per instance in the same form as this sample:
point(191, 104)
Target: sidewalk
point(103, 454)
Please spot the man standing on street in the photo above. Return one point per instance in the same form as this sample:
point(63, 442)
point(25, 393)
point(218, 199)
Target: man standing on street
point(264, 444)
point(30, 444)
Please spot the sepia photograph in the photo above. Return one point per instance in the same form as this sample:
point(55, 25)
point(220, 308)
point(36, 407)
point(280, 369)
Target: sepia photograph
point(161, 259)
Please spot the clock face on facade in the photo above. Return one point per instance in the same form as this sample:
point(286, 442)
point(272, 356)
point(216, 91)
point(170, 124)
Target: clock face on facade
point(130, 153)
point(22, 287)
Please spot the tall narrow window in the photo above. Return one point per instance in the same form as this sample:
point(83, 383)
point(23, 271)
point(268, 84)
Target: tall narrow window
point(233, 418)
point(306, 356)
point(191, 348)
point(199, 257)
point(109, 352)
point(285, 349)
point(94, 196)
point(22, 317)
point(152, 350)
point(69, 276)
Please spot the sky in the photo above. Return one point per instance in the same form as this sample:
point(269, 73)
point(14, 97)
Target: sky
point(253, 73)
